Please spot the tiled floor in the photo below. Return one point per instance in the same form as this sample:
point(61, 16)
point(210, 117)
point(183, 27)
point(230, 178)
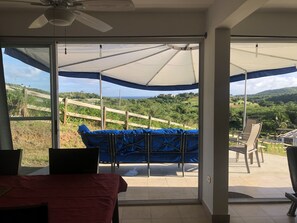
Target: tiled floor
point(239, 213)
point(166, 183)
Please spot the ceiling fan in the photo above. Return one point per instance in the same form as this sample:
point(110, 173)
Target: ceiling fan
point(64, 12)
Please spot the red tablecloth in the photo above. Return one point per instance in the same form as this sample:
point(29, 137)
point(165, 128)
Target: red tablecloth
point(70, 198)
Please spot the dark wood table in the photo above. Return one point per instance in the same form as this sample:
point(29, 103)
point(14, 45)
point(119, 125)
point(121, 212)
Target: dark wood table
point(73, 198)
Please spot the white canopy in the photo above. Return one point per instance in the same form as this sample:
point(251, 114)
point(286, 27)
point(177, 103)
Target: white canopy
point(160, 66)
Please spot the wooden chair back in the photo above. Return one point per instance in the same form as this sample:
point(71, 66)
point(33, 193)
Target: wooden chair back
point(73, 161)
point(10, 161)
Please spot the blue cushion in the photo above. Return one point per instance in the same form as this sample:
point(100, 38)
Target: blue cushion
point(192, 131)
point(83, 129)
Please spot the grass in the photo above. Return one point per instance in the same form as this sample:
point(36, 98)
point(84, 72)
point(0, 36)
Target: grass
point(274, 148)
point(34, 138)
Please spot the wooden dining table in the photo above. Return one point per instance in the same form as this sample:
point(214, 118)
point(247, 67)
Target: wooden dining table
point(71, 198)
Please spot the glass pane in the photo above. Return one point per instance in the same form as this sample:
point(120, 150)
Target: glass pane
point(276, 109)
point(34, 138)
point(29, 105)
point(28, 89)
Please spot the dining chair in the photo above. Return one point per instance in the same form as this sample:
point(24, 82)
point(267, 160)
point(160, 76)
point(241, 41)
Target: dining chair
point(73, 160)
point(292, 163)
point(10, 161)
point(24, 214)
point(250, 146)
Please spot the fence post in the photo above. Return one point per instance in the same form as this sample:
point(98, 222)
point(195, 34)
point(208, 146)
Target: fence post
point(104, 117)
point(65, 110)
point(169, 123)
point(24, 109)
point(127, 120)
point(150, 122)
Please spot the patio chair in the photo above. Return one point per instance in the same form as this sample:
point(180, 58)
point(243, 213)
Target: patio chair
point(73, 161)
point(292, 163)
point(10, 161)
point(250, 146)
point(24, 214)
point(242, 136)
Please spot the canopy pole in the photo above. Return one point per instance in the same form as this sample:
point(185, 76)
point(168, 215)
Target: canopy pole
point(100, 83)
point(245, 100)
point(101, 100)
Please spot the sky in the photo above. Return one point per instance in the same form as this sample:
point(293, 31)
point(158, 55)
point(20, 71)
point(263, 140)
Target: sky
point(20, 73)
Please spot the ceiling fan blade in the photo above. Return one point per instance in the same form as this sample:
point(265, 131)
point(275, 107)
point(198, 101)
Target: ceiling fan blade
point(92, 21)
point(39, 22)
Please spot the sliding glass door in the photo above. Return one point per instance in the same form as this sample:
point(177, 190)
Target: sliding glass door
point(28, 91)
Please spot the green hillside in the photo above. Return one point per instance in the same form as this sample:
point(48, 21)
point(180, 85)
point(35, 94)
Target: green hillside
point(277, 92)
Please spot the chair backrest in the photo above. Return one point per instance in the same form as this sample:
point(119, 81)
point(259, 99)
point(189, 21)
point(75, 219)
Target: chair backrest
point(292, 163)
point(166, 148)
point(253, 137)
point(24, 214)
point(73, 161)
point(10, 161)
point(248, 128)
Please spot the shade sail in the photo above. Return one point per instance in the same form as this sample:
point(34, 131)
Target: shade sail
point(159, 66)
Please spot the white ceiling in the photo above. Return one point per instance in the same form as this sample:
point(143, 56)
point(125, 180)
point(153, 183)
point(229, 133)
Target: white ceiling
point(160, 18)
point(160, 5)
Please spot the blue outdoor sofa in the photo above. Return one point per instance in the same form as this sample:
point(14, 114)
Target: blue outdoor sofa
point(143, 145)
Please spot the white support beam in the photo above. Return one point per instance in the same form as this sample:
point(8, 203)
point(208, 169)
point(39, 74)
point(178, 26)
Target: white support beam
point(228, 13)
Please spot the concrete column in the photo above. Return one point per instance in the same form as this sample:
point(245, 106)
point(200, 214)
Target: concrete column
point(5, 133)
point(214, 88)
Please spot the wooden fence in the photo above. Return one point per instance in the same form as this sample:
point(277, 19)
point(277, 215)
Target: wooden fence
point(126, 123)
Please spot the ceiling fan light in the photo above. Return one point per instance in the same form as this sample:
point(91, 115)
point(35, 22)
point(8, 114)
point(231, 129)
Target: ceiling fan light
point(59, 16)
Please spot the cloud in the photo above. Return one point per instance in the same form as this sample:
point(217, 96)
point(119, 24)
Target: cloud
point(265, 83)
point(24, 72)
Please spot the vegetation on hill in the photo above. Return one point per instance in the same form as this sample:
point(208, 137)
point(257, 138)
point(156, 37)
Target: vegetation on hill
point(276, 109)
point(276, 92)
